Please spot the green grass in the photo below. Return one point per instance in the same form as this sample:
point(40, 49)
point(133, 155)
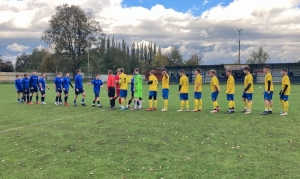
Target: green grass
point(84, 142)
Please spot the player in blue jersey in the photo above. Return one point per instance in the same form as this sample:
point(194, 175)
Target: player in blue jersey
point(97, 85)
point(58, 88)
point(43, 86)
point(34, 87)
point(66, 83)
point(19, 88)
point(79, 88)
point(26, 89)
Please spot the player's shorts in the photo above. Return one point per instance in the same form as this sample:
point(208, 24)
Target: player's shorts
point(34, 90)
point(165, 93)
point(268, 96)
point(26, 91)
point(19, 91)
point(123, 93)
point(214, 95)
point(230, 97)
point(97, 94)
point(66, 92)
point(247, 96)
point(43, 92)
point(153, 93)
point(197, 95)
point(80, 91)
point(138, 94)
point(284, 97)
point(118, 91)
point(184, 96)
point(58, 90)
point(111, 92)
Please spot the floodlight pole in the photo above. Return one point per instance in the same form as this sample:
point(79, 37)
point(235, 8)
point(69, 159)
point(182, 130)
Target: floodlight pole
point(239, 60)
point(88, 64)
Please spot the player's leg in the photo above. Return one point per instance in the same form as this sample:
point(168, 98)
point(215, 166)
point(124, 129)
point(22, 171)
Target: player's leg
point(131, 99)
point(150, 101)
point(271, 102)
point(75, 97)
point(244, 96)
point(31, 95)
point(36, 90)
point(98, 101)
point(187, 105)
point(196, 101)
point(249, 106)
point(125, 100)
point(266, 103)
point(165, 94)
point(83, 97)
point(285, 105)
point(200, 102)
point(181, 97)
point(18, 96)
point(28, 95)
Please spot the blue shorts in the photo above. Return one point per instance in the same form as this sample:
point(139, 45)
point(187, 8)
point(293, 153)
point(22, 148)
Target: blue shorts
point(247, 96)
point(97, 94)
point(230, 97)
point(26, 91)
point(66, 91)
point(267, 96)
point(19, 90)
point(153, 93)
point(80, 90)
point(35, 89)
point(58, 90)
point(165, 93)
point(284, 97)
point(214, 95)
point(184, 96)
point(123, 93)
point(197, 95)
point(43, 92)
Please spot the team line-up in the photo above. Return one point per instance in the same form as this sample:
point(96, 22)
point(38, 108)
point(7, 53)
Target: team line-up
point(117, 89)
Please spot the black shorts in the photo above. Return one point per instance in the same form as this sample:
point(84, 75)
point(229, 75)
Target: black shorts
point(132, 93)
point(43, 92)
point(111, 92)
point(26, 91)
point(35, 89)
point(66, 92)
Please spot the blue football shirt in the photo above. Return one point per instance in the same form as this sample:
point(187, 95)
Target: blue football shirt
point(97, 85)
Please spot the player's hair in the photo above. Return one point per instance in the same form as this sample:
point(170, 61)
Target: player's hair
point(181, 71)
point(110, 72)
point(151, 71)
point(25, 75)
point(267, 66)
point(212, 71)
point(118, 69)
point(17, 76)
point(78, 70)
point(136, 70)
point(122, 70)
point(247, 68)
point(98, 74)
point(229, 70)
point(284, 69)
point(33, 71)
point(164, 70)
point(42, 74)
point(198, 70)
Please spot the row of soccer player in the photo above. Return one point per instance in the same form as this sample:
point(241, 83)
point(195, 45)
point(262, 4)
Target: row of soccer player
point(117, 88)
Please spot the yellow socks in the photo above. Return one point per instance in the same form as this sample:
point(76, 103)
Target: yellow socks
point(266, 107)
point(215, 104)
point(245, 105)
point(150, 103)
point(249, 106)
point(182, 105)
point(282, 103)
point(233, 104)
point(200, 104)
point(166, 104)
point(196, 104)
point(187, 104)
point(271, 107)
point(155, 103)
point(286, 106)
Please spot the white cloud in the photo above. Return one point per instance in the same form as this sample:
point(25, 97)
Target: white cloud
point(205, 2)
point(16, 47)
point(274, 25)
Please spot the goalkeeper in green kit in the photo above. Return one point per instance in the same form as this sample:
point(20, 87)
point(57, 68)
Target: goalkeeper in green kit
point(138, 90)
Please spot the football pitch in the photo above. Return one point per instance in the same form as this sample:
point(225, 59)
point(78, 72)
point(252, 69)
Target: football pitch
point(48, 141)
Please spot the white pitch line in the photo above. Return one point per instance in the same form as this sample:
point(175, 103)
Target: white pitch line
point(39, 123)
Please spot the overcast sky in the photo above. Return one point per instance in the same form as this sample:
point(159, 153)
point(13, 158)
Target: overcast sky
point(208, 27)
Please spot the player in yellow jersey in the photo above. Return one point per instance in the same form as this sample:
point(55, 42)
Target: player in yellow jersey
point(215, 90)
point(248, 91)
point(198, 91)
point(123, 89)
point(153, 82)
point(285, 92)
point(165, 89)
point(230, 91)
point(268, 91)
point(183, 91)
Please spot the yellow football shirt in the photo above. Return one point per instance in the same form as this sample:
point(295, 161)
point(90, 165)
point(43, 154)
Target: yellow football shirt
point(268, 77)
point(123, 81)
point(165, 82)
point(213, 83)
point(286, 81)
point(184, 82)
point(198, 79)
point(230, 85)
point(249, 79)
point(153, 86)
